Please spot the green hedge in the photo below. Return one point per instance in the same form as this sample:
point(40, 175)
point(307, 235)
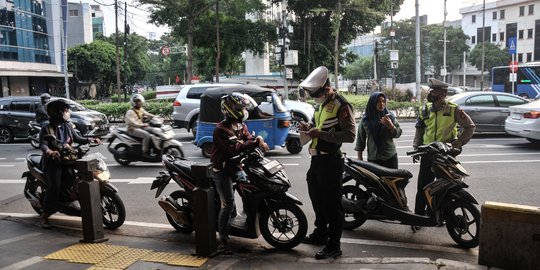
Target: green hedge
point(115, 111)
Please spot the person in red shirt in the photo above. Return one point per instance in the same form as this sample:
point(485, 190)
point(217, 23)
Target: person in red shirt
point(231, 137)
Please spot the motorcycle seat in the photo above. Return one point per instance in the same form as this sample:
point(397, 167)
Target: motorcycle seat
point(381, 170)
point(184, 165)
point(35, 160)
point(124, 131)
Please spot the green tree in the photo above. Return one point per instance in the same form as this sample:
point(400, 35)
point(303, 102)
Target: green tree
point(493, 56)
point(454, 48)
point(94, 63)
point(361, 68)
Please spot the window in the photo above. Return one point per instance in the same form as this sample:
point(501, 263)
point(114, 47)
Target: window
point(520, 58)
point(21, 106)
point(522, 11)
point(473, 39)
point(520, 35)
point(529, 57)
point(501, 36)
point(494, 37)
point(507, 101)
point(481, 101)
point(529, 33)
point(196, 92)
point(531, 9)
point(501, 16)
point(73, 12)
point(473, 18)
point(494, 15)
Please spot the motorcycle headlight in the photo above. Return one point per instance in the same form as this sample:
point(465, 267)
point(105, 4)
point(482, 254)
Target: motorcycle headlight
point(102, 175)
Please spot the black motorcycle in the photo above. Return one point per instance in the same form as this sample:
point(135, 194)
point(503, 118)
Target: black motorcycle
point(33, 133)
point(114, 212)
point(267, 208)
point(376, 192)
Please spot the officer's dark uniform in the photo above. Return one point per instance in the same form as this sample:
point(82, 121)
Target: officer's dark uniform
point(438, 121)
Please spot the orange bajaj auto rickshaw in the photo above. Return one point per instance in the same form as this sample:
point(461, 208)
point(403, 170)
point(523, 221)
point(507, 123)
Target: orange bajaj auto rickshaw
point(273, 126)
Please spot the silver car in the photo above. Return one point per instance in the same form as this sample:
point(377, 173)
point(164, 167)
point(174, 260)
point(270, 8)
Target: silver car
point(524, 121)
point(488, 110)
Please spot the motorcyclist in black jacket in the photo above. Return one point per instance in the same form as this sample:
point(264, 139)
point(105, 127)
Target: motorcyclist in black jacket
point(41, 113)
point(58, 172)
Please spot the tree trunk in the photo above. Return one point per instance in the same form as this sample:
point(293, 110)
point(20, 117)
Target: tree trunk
point(309, 43)
point(218, 45)
point(336, 44)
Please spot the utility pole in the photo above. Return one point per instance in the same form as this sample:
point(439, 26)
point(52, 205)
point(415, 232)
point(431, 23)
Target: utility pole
point(375, 57)
point(464, 68)
point(117, 49)
point(444, 45)
point(392, 34)
point(285, 31)
point(66, 15)
point(483, 42)
point(126, 29)
point(417, 66)
point(218, 45)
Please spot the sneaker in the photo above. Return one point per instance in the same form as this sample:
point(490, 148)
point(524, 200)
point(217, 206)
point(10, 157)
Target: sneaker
point(315, 239)
point(45, 224)
point(328, 252)
point(223, 247)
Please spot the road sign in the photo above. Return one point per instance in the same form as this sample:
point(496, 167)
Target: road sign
point(512, 45)
point(166, 50)
point(394, 64)
point(394, 55)
point(289, 73)
point(513, 77)
point(513, 66)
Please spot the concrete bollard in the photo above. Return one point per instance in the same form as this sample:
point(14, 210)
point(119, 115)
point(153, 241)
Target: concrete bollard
point(510, 236)
point(205, 211)
point(90, 200)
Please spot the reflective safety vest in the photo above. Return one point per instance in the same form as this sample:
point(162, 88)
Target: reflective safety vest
point(440, 126)
point(326, 119)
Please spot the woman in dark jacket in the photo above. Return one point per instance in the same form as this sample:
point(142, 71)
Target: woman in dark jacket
point(377, 131)
point(58, 174)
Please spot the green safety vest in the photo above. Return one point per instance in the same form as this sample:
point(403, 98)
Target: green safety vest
point(440, 126)
point(326, 119)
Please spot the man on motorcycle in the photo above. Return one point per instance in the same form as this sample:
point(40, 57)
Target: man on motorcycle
point(134, 119)
point(438, 121)
point(41, 113)
point(58, 173)
point(231, 137)
point(332, 125)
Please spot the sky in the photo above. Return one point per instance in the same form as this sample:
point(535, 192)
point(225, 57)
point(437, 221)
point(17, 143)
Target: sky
point(138, 17)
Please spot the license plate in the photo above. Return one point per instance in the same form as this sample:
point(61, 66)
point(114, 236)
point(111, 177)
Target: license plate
point(516, 116)
point(273, 166)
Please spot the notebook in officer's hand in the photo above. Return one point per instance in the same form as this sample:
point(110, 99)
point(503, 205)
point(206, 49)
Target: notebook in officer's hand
point(304, 138)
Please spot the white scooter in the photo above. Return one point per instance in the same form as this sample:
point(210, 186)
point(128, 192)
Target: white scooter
point(129, 148)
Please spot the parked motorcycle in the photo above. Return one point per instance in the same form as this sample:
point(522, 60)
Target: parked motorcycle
point(129, 148)
point(267, 207)
point(33, 133)
point(113, 209)
point(376, 192)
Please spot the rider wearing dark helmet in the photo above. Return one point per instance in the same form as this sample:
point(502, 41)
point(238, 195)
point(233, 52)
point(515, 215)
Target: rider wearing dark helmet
point(41, 114)
point(231, 137)
point(58, 174)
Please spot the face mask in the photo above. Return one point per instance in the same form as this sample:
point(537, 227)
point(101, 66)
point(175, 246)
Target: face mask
point(246, 115)
point(432, 98)
point(66, 116)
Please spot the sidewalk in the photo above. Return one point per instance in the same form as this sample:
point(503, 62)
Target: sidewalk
point(23, 244)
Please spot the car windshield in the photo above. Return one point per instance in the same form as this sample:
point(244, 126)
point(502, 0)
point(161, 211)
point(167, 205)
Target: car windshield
point(278, 104)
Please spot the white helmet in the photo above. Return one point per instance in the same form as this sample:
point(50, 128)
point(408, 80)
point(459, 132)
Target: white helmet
point(135, 98)
point(315, 81)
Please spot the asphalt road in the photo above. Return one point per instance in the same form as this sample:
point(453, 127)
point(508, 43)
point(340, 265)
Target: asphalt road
point(502, 168)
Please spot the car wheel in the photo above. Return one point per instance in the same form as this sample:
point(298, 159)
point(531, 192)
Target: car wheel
point(206, 149)
point(6, 136)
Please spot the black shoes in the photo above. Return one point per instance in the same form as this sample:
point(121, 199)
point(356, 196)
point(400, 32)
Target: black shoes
point(328, 252)
point(223, 247)
point(315, 239)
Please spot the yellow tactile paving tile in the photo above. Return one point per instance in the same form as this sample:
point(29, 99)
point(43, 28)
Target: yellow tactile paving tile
point(114, 257)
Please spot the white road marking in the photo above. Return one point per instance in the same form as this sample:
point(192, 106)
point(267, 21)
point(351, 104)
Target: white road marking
point(18, 238)
point(482, 162)
point(492, 154)
point(23, 264)
point(20, 158)
point(6, 166)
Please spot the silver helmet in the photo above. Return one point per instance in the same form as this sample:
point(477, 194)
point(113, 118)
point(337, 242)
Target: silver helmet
point(315, 81)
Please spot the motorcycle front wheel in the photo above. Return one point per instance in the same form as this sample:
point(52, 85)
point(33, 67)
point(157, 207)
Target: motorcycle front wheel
point(114, 212)
point(283, 225)
point(34, 141)
point(463, 223)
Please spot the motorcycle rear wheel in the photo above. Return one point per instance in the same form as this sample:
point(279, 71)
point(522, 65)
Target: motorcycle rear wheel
point(460, 216)
point(38, 189)
point(283, 225)
point(114, 211)
point(180, 198)
point(121, 148)
point(353, 220)
point(34, 142)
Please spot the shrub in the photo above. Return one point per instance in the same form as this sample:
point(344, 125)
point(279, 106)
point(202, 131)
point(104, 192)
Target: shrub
point(148, 95)
point(115, 111)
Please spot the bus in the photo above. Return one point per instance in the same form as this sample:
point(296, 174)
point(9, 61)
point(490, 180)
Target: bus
point(527, 84)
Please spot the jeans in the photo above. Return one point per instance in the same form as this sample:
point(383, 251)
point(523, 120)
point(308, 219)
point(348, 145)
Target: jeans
point(224, 187)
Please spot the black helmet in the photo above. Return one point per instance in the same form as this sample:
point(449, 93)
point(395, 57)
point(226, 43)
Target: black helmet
point(56, 108)
point(45, 97)
point(236, 106)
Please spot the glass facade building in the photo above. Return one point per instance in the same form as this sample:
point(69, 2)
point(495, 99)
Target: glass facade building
point(24, 31)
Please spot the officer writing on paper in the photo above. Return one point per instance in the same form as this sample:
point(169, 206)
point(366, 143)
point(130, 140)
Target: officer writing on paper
point(438, 121)
point(332, 125)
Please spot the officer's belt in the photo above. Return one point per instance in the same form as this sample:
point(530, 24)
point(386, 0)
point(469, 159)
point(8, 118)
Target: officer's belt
point(315, 152)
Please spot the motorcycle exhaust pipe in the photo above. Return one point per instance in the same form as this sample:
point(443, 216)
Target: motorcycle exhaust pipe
point(170, 209)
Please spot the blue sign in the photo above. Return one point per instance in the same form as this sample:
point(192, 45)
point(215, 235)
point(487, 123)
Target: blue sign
point(512, 45)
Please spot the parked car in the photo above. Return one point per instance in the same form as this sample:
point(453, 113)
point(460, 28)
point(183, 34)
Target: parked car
point(17, 112)
point(488, 110)
point(187, 104)
point(454, 90)
point(524, 121)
